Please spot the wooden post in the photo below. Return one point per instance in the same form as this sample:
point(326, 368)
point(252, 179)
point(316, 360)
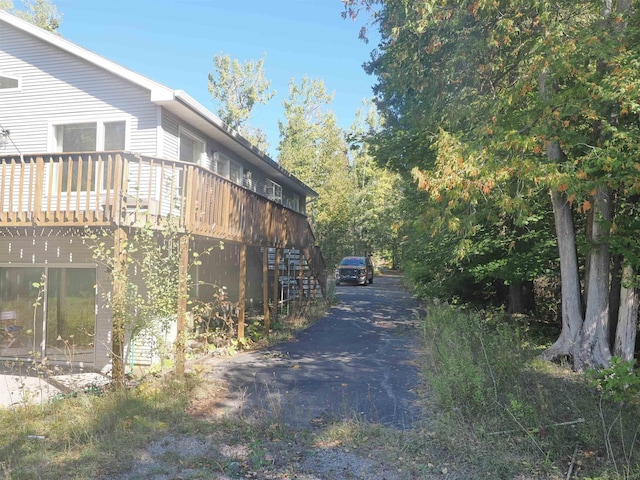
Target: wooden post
point(301, 277)
point(265, 289)
point(39, 193)
point(183, 292)
point(242, 292)
point(276, 282)
point(119, 306)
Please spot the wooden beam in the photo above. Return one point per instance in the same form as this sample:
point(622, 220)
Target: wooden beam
point(301, 278)
point(265, 289)
point(276, 281)
point(119, 306)
point(183, 292)
point(242, 290)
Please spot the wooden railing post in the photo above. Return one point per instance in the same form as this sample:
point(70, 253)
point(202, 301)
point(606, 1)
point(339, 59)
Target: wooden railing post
point(39, 189)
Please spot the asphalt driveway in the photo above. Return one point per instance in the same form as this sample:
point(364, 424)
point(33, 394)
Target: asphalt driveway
point(359, 361)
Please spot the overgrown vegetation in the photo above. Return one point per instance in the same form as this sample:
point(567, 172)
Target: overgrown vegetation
point(502, 408)
point(493, 410)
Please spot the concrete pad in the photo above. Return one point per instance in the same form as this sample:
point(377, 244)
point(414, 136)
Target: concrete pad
point(25, 390)
point(32, 390)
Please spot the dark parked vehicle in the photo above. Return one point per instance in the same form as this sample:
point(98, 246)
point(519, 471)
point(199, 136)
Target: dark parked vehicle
point(357, 270)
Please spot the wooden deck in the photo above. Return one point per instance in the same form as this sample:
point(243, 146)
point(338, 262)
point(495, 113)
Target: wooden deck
point(118, 189)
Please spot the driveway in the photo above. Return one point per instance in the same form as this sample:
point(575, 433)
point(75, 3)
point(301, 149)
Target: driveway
point(357, 362)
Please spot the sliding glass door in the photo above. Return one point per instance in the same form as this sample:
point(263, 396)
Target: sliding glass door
point(47, 312)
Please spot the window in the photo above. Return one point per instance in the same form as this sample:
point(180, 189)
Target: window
point(191, 148)
point(295, 202)
point(9, 83)
point(114, 135)
point(235, 173)
point(221, 163)
point(63, 327)
point(273, 191)
point(90, 136)
point(247, 181)
point(86, 137)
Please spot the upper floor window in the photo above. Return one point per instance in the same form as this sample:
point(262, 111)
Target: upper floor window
point(235, 173)
point(9, 83)
point(90, 136)
point(191, 148)
point(247, 180)
point(221, 164)
point(273, 191)
point(227, 168)
point(295, 202)
point(86, 137)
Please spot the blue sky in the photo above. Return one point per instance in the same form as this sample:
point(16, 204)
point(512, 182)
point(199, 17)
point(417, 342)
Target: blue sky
point(174, 41)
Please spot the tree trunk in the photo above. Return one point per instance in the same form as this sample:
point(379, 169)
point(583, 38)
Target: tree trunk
point(594, 345)
point(567, 343)
point(615, 292)
point(625, 339)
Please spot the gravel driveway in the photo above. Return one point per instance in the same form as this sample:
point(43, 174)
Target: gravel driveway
point(357, 361)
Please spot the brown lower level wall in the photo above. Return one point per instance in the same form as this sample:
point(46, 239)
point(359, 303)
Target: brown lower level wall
point(66, 247)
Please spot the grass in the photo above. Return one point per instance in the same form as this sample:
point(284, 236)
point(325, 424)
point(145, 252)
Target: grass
point(504, 410)
point(493, 411)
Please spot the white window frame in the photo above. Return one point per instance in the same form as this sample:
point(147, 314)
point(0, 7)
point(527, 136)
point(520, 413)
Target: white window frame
point(239, 179)
point(54, 168)
point(273, 191)
point(53, 141)
point(247, 180)
point(11, 89)
point(200, 158)
point(221, 163)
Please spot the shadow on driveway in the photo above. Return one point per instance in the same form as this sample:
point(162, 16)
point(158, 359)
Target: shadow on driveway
point(358, 361)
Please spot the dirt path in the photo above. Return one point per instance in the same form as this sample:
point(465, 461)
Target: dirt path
point(356, 362)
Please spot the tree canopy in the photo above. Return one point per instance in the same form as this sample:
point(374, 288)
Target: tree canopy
point(237, 88)
point(489, 106)
point(42, 13)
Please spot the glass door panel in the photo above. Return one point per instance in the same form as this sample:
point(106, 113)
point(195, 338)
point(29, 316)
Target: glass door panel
point(71, 317)
point(20, 311)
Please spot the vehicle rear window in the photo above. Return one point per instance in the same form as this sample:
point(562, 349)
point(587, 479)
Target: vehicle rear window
point(352, 261)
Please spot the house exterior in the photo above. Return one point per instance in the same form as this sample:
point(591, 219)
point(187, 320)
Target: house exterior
point(87, 143)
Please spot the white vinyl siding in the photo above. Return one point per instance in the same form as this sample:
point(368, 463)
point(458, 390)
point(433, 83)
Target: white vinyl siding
point(58, 88)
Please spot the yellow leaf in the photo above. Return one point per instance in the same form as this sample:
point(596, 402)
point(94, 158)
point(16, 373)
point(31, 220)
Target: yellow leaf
point(586, 206)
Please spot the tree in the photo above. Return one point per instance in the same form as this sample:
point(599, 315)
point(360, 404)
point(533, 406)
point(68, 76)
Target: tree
point(480, 94)
point(313, 148)
point(376, 202)
point(42, 13)
point(237, 88)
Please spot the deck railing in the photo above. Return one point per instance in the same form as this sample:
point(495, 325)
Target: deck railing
point(125, 189)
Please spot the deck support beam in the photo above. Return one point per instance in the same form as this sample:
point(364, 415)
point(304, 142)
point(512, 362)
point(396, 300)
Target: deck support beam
point(276, 285)
point(119, 306)
point(242, 290)
point(183, 293)
point(265, 289)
